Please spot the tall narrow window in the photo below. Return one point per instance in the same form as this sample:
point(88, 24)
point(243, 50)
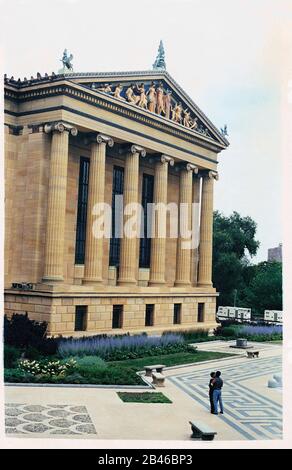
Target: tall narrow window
point(80, 317)
point(201, 312)
point(118, 188)
point(117, 321)
point(149, 315)
point(82, 211)
point(145, 242)
point(176, 314)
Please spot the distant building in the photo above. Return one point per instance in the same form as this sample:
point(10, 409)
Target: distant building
point(275, 254)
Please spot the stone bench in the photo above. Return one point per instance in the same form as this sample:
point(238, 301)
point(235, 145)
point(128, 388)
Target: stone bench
point(252, 353)
point(149, 369)
point(201, 431)
point(158, 379)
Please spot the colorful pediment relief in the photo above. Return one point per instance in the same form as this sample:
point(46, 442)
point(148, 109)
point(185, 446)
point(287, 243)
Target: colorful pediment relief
point(157, 97)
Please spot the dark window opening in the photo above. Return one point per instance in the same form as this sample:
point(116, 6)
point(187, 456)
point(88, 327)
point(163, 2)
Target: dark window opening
point(117, 316)
point(118, 189)
point(145, 242)
point(80, 318)
point(82, 211)
point(149, 315)
point(201, 312)
point(177, 314)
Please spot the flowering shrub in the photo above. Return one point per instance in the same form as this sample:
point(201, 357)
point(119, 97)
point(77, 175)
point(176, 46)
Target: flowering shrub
point(50, 369)
point(263, 333)
point(126, 347)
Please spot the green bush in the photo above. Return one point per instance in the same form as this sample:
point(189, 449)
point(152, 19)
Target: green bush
point(90, 361)
point(229, 332)
point(18, 376)
point(11, 356)
point(23, 333)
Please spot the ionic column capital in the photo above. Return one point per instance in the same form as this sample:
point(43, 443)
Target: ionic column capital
point(105, 139)
point(166, 159)
point(137, 149)
point(209, 174)
point(189, 167)
point(60, 126)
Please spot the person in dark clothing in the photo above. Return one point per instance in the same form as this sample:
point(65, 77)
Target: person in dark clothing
point(211, 389)
point(217, 383)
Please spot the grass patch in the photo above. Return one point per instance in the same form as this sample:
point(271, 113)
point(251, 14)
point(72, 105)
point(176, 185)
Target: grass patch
point(171, 359)
point(146, 397)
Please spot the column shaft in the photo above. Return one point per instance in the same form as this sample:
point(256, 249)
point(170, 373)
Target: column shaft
point(94, 244)
point(195, 225)
point(158, 241)
point(183, 265)
point(128, 253)
point(56, 209)
point(206, 233)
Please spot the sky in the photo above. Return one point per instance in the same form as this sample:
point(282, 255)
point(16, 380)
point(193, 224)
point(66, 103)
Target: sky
point(228, 55)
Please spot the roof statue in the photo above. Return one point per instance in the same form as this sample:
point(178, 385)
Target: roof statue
point(224, 131)
point(66, 61)
point(159, 63)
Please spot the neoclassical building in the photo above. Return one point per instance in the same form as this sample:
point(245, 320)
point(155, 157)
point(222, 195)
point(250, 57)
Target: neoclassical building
point(74, 140)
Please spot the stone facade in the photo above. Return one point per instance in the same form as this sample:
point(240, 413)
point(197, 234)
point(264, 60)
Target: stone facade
point(49, 125)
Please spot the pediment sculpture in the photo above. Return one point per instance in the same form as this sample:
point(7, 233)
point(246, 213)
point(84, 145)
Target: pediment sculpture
point(157, 99)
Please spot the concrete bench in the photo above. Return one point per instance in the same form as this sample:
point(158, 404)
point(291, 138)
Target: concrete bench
point(252, 353)
point(158, 379)
point(201, 431)
point(149, 369)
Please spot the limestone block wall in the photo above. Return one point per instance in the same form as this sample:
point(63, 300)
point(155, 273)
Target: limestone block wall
point(60, 312)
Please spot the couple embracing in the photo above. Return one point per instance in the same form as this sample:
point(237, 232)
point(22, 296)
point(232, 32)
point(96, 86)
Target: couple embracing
point(215, 386)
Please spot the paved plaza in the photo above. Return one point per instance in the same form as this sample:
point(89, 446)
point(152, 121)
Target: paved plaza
point(252, 410)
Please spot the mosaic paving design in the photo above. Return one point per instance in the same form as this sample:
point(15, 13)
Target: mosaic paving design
point(253, 415)
point(21, 418)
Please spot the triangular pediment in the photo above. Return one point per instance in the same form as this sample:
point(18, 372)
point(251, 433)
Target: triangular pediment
point(155, 92)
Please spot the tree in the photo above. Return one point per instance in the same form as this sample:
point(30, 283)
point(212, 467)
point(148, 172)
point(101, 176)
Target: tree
point(233, 240)
point(265, 288)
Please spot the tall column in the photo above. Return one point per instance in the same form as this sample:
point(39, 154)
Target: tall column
point(158, 241)
point(195, 227)
point(56, 209)
point(206, 230)
point(94, 244)
point(128, 254)
point(183, 257)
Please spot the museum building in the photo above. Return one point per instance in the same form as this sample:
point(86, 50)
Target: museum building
point(74, 140)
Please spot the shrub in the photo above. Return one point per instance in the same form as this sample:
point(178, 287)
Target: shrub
point(192, 335)
point(262, 333)
point(23, 333)
point(47, 369)
point(18, 376)
point(90, 361)
point(11, 356)
point(127, 347)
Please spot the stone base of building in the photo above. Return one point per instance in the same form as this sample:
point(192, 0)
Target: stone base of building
point(59, 306)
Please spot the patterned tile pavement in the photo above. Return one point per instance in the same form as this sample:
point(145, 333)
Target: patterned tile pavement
point(254, 415)
point(47, 419)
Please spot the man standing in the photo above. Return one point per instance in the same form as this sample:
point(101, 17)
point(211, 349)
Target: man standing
point(217, 386)
point(211, 389)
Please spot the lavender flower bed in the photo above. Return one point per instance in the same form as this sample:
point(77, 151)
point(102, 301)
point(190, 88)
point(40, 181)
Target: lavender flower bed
point(125, 347)
point(262, 332)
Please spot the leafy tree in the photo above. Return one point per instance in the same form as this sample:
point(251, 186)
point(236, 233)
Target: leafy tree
point(265, 288)
point(233, 240)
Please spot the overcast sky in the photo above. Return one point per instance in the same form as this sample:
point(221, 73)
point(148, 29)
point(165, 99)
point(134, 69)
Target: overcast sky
point(228, 55)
